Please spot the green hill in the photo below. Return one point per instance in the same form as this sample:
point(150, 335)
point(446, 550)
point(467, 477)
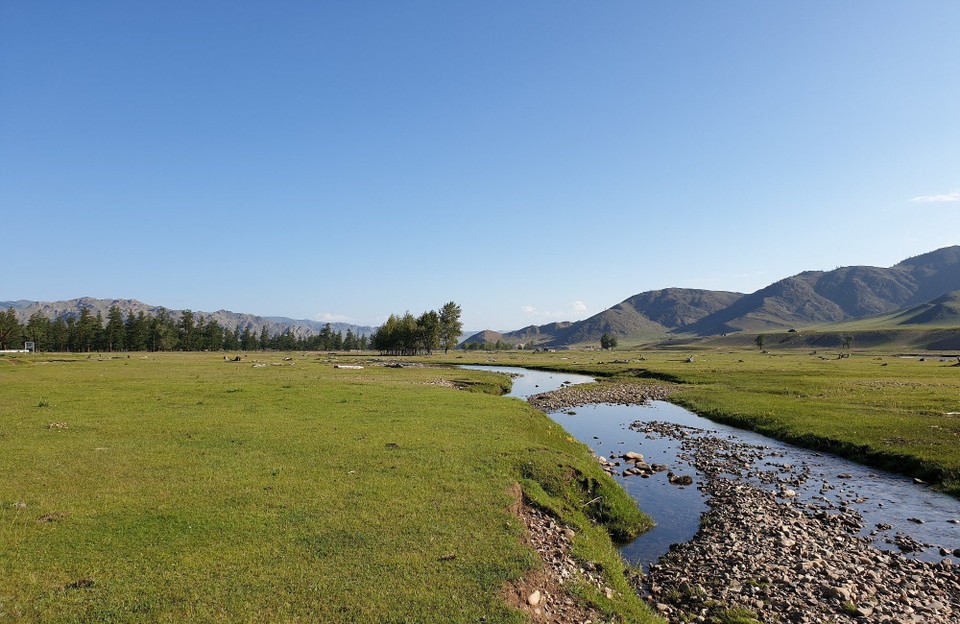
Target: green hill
point(848, 298)
point(942, 312)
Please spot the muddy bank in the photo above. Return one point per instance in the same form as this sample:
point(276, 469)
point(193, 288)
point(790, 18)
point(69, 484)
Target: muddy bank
point(544, 595)
point(613, 393)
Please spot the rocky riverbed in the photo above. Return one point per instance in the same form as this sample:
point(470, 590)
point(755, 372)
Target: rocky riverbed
point(613, 393)
point(762, 551)
point(777, 561)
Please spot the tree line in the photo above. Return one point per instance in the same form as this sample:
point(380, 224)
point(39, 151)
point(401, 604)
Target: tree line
point(159, 332)
point(407, 335)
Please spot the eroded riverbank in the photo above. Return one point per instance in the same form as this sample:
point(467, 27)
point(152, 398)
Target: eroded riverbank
point(782, 541)
point(789, 535)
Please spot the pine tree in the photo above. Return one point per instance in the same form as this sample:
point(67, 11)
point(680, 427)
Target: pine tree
point(99, 342)
point(248, 342)
point(187, 331)
point(163, 332)
point(231, 340)
point(264, 338)
point(59, 334)
point(137, 331)
point(10, 330)
point(38, 330)
point(84, 331)
point(349, 341)
point(213, 336)
point(114, 331)
point(326, 337)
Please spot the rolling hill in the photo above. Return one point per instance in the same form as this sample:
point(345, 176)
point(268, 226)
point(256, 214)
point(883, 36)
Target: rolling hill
point(817, 297)
point(942, 312)
point(804, 300)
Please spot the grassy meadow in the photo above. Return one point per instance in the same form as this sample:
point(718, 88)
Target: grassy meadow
point(897, 412)
point(182, 487)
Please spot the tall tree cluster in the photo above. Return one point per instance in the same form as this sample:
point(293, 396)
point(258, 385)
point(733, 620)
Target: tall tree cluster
point(409, 335)
point(159, 332)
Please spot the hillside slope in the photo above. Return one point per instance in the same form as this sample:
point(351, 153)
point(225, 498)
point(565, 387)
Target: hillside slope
point(818, 297)
point(804, 300)
point(23, 309)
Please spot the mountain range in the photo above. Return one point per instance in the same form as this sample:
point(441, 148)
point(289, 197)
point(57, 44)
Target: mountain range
point(275, 325)
point(919, 290)
point(917, 293)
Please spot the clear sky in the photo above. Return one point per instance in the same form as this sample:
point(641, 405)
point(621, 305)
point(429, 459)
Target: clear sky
point(532, 161)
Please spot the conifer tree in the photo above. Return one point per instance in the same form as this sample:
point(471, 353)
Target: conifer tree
point(114, 331)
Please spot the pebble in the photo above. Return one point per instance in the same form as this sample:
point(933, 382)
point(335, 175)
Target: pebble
point(585, 394)
point(782, 558)
point(767, 551)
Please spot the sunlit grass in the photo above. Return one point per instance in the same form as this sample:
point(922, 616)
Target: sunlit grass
point(185, 488)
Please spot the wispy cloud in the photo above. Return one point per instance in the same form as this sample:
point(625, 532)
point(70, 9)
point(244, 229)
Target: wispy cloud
point(330, 317)
point(573, 312)
point(953, 196)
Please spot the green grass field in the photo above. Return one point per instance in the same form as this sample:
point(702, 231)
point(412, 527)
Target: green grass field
point(180, 487)
point(901, 413)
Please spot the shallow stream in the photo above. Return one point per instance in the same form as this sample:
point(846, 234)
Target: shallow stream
point(825, 481)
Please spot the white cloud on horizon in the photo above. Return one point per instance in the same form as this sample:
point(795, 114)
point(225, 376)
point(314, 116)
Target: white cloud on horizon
point(953, 196)
point(329, 317)
point(574, 312)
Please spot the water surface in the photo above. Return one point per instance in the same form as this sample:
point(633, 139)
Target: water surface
point(882, 498)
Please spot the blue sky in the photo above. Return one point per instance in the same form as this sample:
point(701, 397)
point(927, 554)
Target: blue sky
point(532, 161)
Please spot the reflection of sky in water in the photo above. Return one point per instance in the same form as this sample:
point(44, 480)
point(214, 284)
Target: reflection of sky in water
point(886, 498)
point(532, 382)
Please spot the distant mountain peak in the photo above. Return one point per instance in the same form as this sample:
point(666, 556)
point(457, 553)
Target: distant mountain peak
point(805, 299)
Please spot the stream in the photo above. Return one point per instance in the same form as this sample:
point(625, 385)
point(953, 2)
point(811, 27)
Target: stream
point(898, 514)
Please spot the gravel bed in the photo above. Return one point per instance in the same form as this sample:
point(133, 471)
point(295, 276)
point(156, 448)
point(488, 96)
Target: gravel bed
point(611, 393)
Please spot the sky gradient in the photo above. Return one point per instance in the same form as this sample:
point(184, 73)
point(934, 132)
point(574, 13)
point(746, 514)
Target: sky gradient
point(533, 161)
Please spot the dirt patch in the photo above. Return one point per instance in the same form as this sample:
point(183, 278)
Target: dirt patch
point(81, 584)
point(443, 383)
point(542, 593)
point(612, 393)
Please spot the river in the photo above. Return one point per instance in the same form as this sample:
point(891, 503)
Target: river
point(889, 504)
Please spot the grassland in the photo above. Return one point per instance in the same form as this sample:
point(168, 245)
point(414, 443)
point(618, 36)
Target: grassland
point(900, 413)
point(181, 487)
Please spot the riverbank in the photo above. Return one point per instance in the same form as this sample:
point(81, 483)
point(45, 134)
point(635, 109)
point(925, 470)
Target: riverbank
point(895, 412)
point(762, 553)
